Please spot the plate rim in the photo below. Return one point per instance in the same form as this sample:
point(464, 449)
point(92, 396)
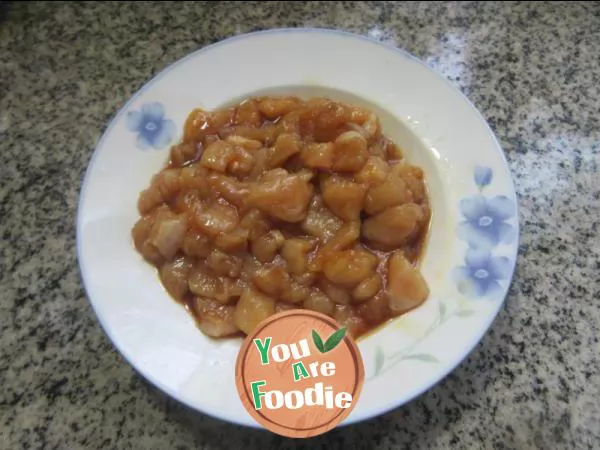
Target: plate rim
point(121, 110)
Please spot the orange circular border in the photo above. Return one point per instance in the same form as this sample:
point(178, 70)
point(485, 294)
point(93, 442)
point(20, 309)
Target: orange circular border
point(285, 430)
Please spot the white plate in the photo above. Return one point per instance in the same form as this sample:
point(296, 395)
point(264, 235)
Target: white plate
point(471, 249)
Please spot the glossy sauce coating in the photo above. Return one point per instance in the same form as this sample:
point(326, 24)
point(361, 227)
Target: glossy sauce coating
point(279, 203)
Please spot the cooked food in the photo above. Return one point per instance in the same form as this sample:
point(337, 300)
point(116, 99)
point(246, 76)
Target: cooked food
point(279, 203)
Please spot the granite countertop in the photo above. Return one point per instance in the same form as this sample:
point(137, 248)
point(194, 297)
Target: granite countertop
point(531, 68)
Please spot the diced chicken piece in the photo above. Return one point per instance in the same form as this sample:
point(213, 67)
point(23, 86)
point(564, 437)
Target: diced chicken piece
point(196, 126)
point(214, 318)
point(345, 238)
point(183, 153)
point(350, 152)
point(393, 227)
point(247, 113)
point(167, 235)
point(414, 179)
point(374, 171)
point(244, 131)
point(392, 151)
point(195, 177)
point(349, 267)
point(295, 253)
point(296, 293)
point(231, 189)
point(217, 218)
point(406, 286)
point(368, 288)
point(273, 281)
point(290, 123)
point(392, 192)
point(217, 156)
point(174, 276)
point(273, 108)
point(224, 264)
point(261, 160)
point(203, 284)
point(164, 186)
point(187, 201)
point(247, 144)
point(241, 162)
point(196, 244)
point(251, 309)
point(286, 145)
point(256, 223)
point(306, 279)
point(343, 197)
point(318, 301)
point(283, 196)
point(335, 293)
point(220, 118)
point(320, 221)
point(318, 155)
point(329, 122)
point(266, 246)
point(233, 241)
point(141, 231)
point(140, 234)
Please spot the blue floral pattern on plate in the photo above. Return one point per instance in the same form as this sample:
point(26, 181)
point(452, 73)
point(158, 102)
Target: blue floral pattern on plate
point(480, 275)
point(484, 228)
point(485, 221)
point(152, 128)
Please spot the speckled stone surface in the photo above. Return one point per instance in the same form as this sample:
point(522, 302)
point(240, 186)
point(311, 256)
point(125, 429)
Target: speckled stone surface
point(531, 68)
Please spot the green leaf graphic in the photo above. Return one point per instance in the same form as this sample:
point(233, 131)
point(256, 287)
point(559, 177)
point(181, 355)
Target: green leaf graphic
point(379, 360)
point(334, 340)
point(318, 341)
point(466, 313)
point(423, 357)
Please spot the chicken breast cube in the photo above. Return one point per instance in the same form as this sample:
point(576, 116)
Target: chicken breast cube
point(174, 276)
point(286, 145)
point(167, 235)
point(349, 267)
point(282, 196)
point(217, 218)
point(374, 171)
point(295, 253)
point(214, 318)
point(367, 288)
point(343, 197)
point(392, 192)
point(318, 301)
point(406, 286)
point(217, 156)
point(251, 309)
point(272, 108)
point(273, 281)
point(320, 221)
point(318, 156)
point(350, 152)
point(265, 247)
point(394, 226)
